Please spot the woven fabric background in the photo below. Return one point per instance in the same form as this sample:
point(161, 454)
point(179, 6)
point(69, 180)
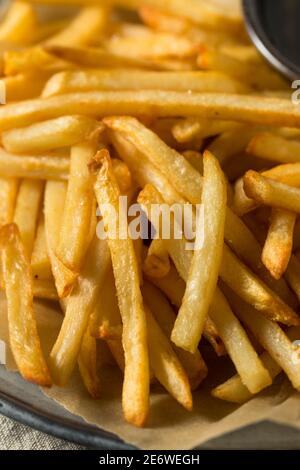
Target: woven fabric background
point(15, 436)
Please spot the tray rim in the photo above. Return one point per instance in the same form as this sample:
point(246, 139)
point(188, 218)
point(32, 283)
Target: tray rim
point(62, 428)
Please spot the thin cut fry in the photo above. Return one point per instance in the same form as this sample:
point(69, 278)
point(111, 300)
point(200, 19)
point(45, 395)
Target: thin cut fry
point(193, 364)
point(27, 210)
point(48, 135)
point(55, 195)
point(165, 364)
point(75, 224)
point(40, 262)
point(252, 372)
point(121, 79)
point(274, 148)
point(87, 363)
point(251, 109)
point(136, 376)
point(203, 274)
point(45, 289)
point(271, 193)
point(8, 195)
point(191, 128)
point(24, 86)
point(19, 24)
point(23, 335)
point(279, 243)
point(271, 337)
point(37, 167)
point(157, 263)
point(80, 305)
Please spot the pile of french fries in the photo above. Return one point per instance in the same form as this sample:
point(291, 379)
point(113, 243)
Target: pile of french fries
point(167, 104)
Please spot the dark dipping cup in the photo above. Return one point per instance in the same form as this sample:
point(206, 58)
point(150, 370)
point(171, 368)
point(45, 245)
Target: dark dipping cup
point(274, 27)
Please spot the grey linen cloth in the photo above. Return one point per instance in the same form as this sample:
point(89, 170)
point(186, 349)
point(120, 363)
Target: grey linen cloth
point(15, 436)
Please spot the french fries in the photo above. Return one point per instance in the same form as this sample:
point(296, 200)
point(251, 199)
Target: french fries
point(8, 195)
point(23, 335)
point(201, 283)
point(34, 167)
point(120, 79)
point(274, 148)
point(244, 108)
point(27, 211)
point(279, 243)
point(49, 135)
point(136, 374)
point(79, 204)
point(169, 105)
point(80, 305)
point(271, 193)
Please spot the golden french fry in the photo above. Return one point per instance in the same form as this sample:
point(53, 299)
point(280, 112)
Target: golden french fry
point(195, 159)
point(244, 108)
point(157, 263)
point(270, 336)
point(36, 167)
point(251, 370)
point(40, 262)
point(165, 364)
point(231, 143)
point(55, 195)
point(106, 319)
point(257, 75)
point(24, 86)
point(185, 178)
point(193, 364)
point(80, 305)
point(75, 223)
point(8, 195)
point(201, 283)
point(279, 243)
point(274, 148)
point(126, 79)
point(271, 193)
point(160, 21)
point(253, 291)
point(87, 363)
point(48, 135)
point(27, 210)
point(136, 376)
point(122, 175)
point(19, 24)
point(117, 351)
point(88, 23)
point(23, 335)
point(191, 128)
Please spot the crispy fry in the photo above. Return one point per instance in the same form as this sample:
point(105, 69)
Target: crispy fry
point(121, 79)
point(201, 284)
point(191, 128)
point(231, 143)
point(106, 319)
point(48, 135)
point(23, 335)
point(252, 372)
point(170, 162)
point(80, 305)
point(274, 148)
point(19, 24)
point(271, 193)
point(161, 21)
point(8, 195)
point(44, 289)
point(136, 376)
point(251, 109)
point(75, 224)
point(87, 24)
point(40, 262)
point(270, 336)
point(24, 86)
point(157, 263)
point(34, 60)
point(35, 167)
point(27, 210)
point(193, 364)
point(55, 195)
point(166, 365)
point(87, 363)
point(279, 243)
